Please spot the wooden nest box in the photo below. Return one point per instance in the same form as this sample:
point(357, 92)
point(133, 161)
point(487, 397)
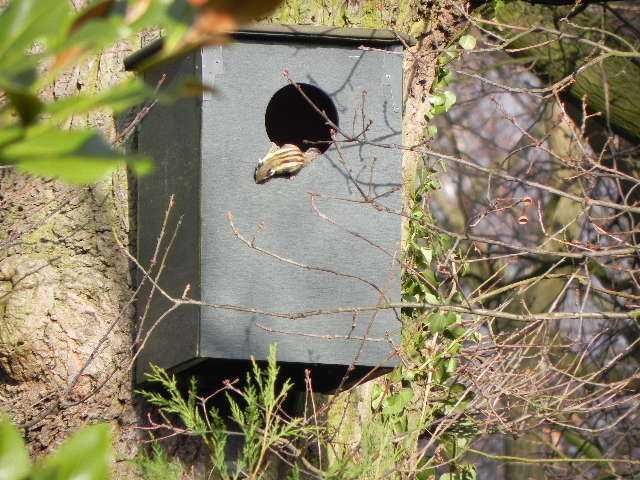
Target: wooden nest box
point(315, 243)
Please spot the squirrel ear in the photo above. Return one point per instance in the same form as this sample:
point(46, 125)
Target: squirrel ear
point(272, 148)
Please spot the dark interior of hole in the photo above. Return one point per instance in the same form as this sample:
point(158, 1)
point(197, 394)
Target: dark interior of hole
point(290, 118)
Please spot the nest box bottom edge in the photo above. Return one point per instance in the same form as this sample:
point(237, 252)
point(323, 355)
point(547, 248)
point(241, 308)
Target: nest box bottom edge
point(212, 373)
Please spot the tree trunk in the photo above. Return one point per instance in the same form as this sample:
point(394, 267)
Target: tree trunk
point(601, 77)
point(65, 291)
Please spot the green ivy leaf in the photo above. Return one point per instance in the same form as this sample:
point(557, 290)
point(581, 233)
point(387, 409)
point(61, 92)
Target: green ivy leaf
point(427, 254)
point(457, 390)
point(451, 53)
point(377, 395)
point(455, 332)
point(445, 77)
point(429, 298)
point(396, 403)
point(85, 456)
point(427, 474)
point(468, 42)
point(440, 103)
point(437, 99)
point(409, 375)
point(451, 365)
point(439, 322)
point(396, 374)
point(449, 99)
point(440, 374)
point(455, 347)
point(14, 457)
point(431, 131)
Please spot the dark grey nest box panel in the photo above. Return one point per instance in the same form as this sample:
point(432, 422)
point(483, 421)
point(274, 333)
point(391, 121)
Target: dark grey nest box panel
point(318, 245)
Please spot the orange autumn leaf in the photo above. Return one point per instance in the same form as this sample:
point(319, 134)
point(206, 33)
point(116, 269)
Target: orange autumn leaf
point(67, 58)
point(241, 10)
point(217, 18)
point(211, 27)
point(211, 21)
point(98, 10)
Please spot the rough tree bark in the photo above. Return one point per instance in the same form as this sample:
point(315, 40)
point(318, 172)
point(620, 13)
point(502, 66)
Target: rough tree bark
point(63, 285)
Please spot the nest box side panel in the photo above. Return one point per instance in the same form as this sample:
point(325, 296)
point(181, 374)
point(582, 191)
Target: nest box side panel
point(170, 134)
point(342, 268)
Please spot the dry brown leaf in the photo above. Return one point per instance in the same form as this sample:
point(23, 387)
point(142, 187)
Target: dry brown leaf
point(67, 58)
point(211, 27)
point(215, 20)
point(212, 21)
point(98, 10)
point(242, 10)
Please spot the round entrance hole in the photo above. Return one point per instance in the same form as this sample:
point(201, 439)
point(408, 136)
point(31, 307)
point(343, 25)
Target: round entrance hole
point(290, 118)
